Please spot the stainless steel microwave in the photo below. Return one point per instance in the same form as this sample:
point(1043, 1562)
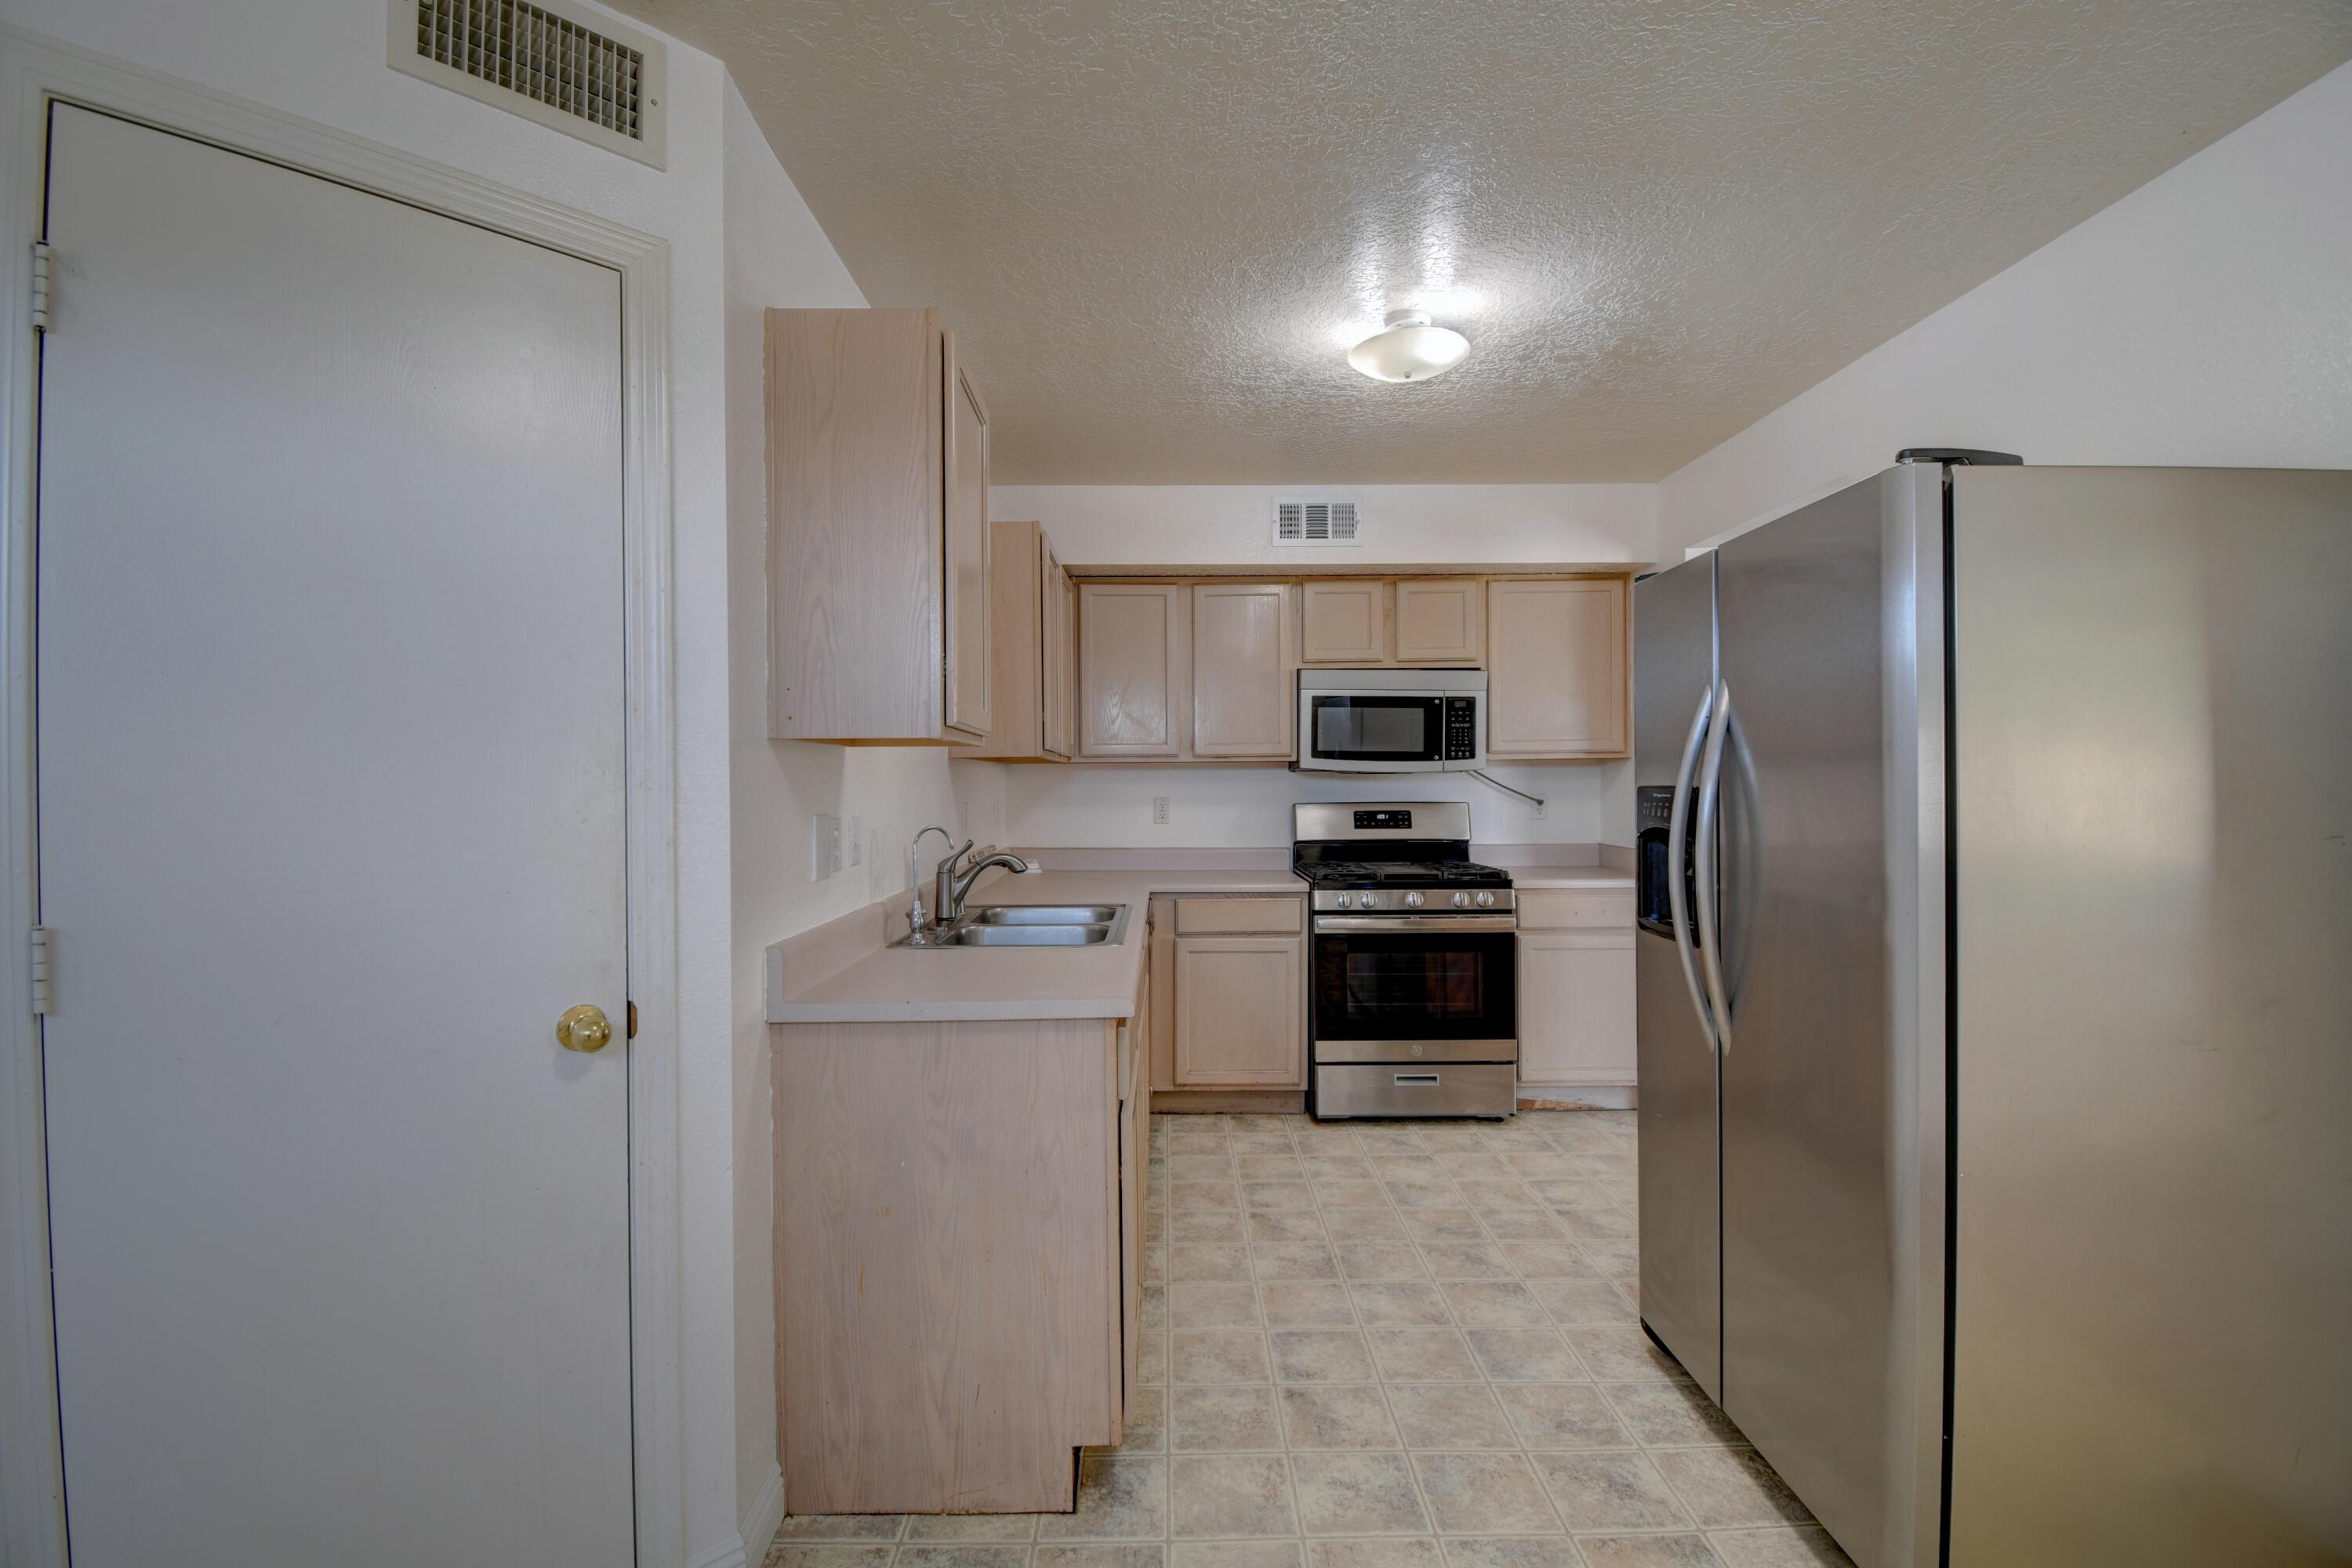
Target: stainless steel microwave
point(1392, 721)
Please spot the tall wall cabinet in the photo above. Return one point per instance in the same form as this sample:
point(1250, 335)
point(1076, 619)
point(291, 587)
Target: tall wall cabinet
point(878, 543)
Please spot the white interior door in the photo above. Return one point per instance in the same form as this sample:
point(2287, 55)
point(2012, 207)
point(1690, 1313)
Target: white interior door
point(330, 829)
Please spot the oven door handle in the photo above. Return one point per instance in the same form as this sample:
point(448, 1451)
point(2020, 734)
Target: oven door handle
point(1374, 924)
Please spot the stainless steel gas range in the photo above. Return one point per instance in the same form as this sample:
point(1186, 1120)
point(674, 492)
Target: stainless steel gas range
point(1412, 977)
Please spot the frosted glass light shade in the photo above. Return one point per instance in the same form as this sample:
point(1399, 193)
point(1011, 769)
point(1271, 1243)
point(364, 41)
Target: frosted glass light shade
point(1408, 350)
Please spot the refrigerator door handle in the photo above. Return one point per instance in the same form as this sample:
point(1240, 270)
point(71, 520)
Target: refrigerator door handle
point(1677, 842)
point(1710, 796)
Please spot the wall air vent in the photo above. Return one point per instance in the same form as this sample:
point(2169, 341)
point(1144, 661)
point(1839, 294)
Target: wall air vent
point(584, 76)
point(1315, 522)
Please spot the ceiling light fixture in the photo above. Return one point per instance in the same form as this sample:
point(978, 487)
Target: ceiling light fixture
point(1409, 349)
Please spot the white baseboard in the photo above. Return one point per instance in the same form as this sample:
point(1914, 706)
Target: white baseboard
point(727, 1553)
point(763, 1519)
point(748, 1547)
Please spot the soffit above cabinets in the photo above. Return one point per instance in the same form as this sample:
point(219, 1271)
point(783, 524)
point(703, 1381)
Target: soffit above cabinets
point(1158, 226)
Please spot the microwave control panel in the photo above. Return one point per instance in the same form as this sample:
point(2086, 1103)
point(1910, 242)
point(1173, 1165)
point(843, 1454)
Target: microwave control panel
point(1461, 729)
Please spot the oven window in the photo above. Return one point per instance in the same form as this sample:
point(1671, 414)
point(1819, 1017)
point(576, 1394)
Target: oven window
point(1377, 729)
point(1421, 986)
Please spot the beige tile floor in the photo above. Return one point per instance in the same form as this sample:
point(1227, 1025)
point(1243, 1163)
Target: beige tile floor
point(1387, 1345)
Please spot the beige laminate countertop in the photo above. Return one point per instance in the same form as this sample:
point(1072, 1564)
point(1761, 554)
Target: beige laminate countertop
point(952, 985)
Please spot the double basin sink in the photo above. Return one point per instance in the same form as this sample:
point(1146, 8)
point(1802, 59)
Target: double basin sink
point(1032, 925)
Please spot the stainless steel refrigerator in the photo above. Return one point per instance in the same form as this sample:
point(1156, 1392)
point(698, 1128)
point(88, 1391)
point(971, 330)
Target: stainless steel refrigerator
point(1995, 1007)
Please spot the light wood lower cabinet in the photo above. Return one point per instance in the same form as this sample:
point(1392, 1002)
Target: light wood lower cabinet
point(1241, 1012)
point(958, 1207)
point(1576, 1007)
point(1134, 1154)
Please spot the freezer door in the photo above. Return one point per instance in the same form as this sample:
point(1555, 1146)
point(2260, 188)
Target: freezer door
point(1681, 1282)
point(2153, 783)
point(1831, 1052)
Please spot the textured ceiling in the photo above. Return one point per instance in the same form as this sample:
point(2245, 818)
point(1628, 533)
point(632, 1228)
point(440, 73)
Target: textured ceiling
point(1156, 224)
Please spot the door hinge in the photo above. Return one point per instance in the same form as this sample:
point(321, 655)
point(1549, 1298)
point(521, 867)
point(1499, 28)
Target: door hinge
point(633, 1022)
point(45, 991)
point(44, 274)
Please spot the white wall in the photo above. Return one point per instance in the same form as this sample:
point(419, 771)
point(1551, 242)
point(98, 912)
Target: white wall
point(2206, 319)
point(1106, 805)
point(324, 61)
point(778, 257)
point(1230, 524)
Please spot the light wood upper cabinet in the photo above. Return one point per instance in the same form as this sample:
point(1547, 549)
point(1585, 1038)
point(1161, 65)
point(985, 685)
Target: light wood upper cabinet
point(967, 530)
point(1342, 622)
point(1556, 667)
point(1135, 669)
point(1241, 1012)
point(1441, 620)
point(1243, 681)
point(878, 542)
point(1576, 1007)
point(1029, 644)
point(1060, 653)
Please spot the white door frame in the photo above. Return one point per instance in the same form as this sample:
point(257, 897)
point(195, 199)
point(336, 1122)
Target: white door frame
point(33, 71)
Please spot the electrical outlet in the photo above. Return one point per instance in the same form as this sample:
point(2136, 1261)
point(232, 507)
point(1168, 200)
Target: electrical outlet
point(831, 845)
point(1159, 811)
point(1539, 810)
point(820, 847)
point(857, 841)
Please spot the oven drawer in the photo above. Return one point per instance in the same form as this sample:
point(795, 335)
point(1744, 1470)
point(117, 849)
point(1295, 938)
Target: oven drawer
point(1416, 1050)
point(1398, 1089)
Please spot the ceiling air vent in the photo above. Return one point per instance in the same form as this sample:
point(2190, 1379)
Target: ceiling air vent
point(1315, 522)
point(583, 76)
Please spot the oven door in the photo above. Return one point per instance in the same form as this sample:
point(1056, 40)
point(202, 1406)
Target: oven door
point(1372, 732)
point(1429, 989)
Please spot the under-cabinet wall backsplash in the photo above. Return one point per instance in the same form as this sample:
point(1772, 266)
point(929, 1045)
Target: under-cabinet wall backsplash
point(1112, 805)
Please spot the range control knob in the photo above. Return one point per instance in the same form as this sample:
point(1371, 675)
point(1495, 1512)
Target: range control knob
point(1366, 901)
point(1486, 900)
point(1412, 900)
point(1460, 900)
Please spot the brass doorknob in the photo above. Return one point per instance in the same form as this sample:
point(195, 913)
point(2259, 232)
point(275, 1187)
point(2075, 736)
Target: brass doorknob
point(584, 1028)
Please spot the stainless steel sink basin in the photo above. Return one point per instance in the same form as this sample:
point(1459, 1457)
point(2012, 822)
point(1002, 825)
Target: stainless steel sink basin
point(1045, 914)
point(1027, 936)
point(1031, 925)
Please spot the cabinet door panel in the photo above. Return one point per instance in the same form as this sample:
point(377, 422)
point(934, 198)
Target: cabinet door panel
point(1576, 1008)
point(1058, 656)
point(1241, 1012)
point(1342, 623)
point(1242, 685)
point(967, 553)
point(1441, 621)
point(1556, 682)
point(1134, 664)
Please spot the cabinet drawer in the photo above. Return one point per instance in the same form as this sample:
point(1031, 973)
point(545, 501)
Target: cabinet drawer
point(1559, 907)
point(1207, 917)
